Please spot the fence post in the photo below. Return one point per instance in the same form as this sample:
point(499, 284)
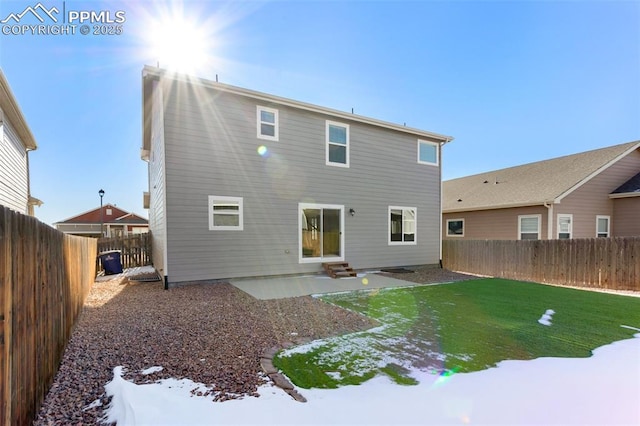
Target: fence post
point(5, 316)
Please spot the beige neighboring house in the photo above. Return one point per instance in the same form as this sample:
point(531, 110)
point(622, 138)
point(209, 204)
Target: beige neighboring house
point(586, 195)
point(114, 222)
point(16, 140)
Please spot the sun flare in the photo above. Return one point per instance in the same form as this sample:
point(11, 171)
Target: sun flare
point(180, 44)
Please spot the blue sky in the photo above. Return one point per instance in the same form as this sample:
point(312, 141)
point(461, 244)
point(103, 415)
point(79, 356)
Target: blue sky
point(511, 81)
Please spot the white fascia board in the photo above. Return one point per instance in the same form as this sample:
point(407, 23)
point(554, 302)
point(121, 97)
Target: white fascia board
point(264, 97)
point(502, 206)
point(11, 112)
point(625, 195)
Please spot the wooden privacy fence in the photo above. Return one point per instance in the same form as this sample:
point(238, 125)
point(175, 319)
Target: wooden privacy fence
point(608, 263)
point(45, 277)
point(135, 250)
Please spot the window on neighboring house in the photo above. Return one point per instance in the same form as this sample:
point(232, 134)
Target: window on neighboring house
point(267, 123)
point(603, 226)
point(455, 227)
point(565, 226)
point(402, 225)
point(337, 144)
point(108, 212)
point(427, 153)
point(529, 227)
point(225, 213)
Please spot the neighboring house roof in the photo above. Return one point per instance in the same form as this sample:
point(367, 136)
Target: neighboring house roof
point(13, 114)
point(152, 73)
point(117, 216)
point(132, 219)
point(530, 184)
point(630, 188)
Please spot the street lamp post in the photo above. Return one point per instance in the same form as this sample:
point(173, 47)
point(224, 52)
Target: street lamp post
point(101, 194)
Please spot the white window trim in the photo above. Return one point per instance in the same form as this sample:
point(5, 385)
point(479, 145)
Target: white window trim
point(455, 235)
point(215, 199)
point(562, 215)
point(598, 217)
point(327, 143)
point(259, 123)
point(301, 207)
point(529, 216)
point(415, 218)
point(420, 142)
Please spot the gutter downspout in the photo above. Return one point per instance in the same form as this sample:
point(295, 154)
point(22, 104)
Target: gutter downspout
point(440, 171)
point(549, 207)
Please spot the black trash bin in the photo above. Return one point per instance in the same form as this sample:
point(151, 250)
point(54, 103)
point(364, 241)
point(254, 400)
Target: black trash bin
point(111, 262)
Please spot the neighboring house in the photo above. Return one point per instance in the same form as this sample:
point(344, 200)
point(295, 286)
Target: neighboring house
point(16, 140)
point(585, 195)
point(115, 222)
point(244, 184)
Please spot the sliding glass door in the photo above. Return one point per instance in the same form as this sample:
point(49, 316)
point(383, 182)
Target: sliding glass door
point(321, 232)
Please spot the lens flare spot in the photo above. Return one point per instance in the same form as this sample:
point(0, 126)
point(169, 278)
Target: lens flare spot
point(445, 376)
point(262, 150)
point(365, 281)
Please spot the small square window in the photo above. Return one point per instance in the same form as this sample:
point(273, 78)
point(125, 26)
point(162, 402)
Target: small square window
point(337, 144)
point(455, 227)
point(225, 213)
point(427, 153)
point(267, 123)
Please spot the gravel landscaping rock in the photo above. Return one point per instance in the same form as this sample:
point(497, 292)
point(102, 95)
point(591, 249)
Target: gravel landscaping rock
point(209, 333)
point(430, 275)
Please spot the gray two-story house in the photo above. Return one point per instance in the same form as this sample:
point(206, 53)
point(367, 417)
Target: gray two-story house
point(246, 184)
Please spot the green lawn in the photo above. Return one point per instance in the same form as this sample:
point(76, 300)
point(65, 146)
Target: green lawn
point(459, 327)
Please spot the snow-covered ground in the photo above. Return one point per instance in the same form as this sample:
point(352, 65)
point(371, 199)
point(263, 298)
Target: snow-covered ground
point(601, 390)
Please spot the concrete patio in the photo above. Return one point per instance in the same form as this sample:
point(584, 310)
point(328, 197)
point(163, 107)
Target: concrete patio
point(279, 288)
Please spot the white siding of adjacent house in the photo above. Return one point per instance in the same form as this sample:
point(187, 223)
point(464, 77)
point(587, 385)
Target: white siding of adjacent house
point(157, 191)
point(211, 149)
point(79, 228)
point(14, 174)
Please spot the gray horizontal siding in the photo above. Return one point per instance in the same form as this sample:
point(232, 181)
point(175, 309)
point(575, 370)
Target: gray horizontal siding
point(157, 188)
point(211, 149)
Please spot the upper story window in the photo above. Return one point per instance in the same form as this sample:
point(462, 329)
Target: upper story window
point(402, 225)
point(603, 226)
point(565, 226)
point(337, 144)
point(267, 123)
point(225, 213)
point(427, 153)
point(455, 227)
point(529, 227)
